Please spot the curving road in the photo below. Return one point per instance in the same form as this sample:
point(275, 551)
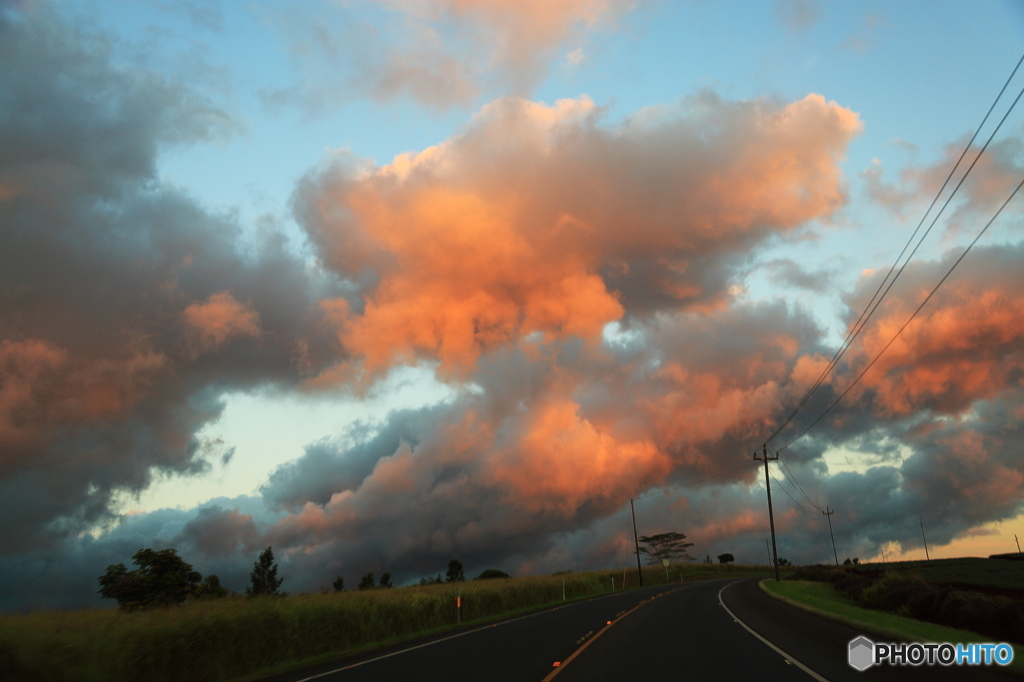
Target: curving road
point(666, 632)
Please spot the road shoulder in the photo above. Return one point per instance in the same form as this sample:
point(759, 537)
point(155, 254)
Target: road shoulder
point(886, 625)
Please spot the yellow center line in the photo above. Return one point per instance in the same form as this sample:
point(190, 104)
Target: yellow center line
point(561, 666)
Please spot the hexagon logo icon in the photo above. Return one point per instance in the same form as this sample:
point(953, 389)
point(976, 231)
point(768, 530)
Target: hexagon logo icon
point(862, 653)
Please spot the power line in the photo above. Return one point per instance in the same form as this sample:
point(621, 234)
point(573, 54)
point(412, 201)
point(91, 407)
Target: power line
point(912, 316)
point(873, 304)
point(790, 496)
point(791, 477)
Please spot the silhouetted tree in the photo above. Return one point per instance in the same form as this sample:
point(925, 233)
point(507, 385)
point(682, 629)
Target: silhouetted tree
point(492, 573)
point(366, 582)
point(211, 588)
point(385, 580)
point(431, 581)
point(784, 562)
point(671, 546)
point(725, 558)
point(162, 578)
point(339, 584)
point(263, 579)
point(455, 574)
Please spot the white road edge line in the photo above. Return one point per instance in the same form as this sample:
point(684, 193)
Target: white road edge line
point(420, 646)
point(780, 651)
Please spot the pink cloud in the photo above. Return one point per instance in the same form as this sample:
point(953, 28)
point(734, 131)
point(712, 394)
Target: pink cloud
point(218, 319)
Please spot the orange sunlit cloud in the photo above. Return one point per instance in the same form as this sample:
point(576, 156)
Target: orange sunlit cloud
point(964, 346)
point(537, 219)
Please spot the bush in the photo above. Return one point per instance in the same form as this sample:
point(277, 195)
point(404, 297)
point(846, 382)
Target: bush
point(492, 573)
point(211, 588)
point(896, 590)
point(995, 616)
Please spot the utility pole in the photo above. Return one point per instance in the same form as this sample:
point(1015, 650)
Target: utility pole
point(927, 558)
point(771, 515)
point(768, 549)
point(828, 514)
point(637, 542)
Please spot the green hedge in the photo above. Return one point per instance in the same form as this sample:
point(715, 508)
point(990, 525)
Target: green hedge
point(908, 594)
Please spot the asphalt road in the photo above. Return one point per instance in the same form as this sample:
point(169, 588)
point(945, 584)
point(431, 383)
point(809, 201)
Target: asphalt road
point(668, 632)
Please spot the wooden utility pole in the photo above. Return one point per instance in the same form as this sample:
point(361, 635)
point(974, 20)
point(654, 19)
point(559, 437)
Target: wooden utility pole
point(927, 558)
point(828, 515)
point(771, 515)
point(639, 572)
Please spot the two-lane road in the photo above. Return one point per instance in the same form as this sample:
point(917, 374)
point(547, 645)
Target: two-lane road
point(667, 632)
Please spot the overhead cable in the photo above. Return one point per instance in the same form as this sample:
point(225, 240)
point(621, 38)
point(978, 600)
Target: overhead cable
point(909, 319)
point(876, 299)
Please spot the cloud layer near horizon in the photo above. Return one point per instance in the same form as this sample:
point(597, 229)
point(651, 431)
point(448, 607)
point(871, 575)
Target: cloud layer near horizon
point(574, 281)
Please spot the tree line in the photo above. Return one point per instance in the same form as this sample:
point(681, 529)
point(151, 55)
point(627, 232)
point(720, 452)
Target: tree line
point(162, 578)
point(165, 579)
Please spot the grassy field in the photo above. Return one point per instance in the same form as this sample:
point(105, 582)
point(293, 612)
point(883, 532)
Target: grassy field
point(822, 598)
point(240, 638)
point(987, 573)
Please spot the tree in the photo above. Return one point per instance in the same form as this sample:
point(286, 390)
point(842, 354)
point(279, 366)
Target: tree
point(671, 546)
point(211, 588)
point(784, 562)
point(726, 558)
point(431, 581)
point(264, 580)
point(492, 573)
point(366, 582)
point(455, 574)
point(385, 580)
point(161, 579)
point(339, 584)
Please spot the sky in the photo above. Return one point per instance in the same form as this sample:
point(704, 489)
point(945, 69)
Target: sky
point(384, 283)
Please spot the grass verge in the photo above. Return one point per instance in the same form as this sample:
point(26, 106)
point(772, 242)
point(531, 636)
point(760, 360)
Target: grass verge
point(823, 600)
point(239, 638)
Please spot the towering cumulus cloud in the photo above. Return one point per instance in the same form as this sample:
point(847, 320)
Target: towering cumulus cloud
point(126, 309)
point(501, 256)
point(540, 219)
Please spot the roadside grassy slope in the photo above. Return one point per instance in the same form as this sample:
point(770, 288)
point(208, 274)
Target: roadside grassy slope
point(975, 571)
point(822, 599)
point(242, 638)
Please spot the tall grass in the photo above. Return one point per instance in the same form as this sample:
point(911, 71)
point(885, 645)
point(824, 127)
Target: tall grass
point(237, 637)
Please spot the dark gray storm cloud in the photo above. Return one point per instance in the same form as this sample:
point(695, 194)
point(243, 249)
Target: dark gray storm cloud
point(126, 308)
